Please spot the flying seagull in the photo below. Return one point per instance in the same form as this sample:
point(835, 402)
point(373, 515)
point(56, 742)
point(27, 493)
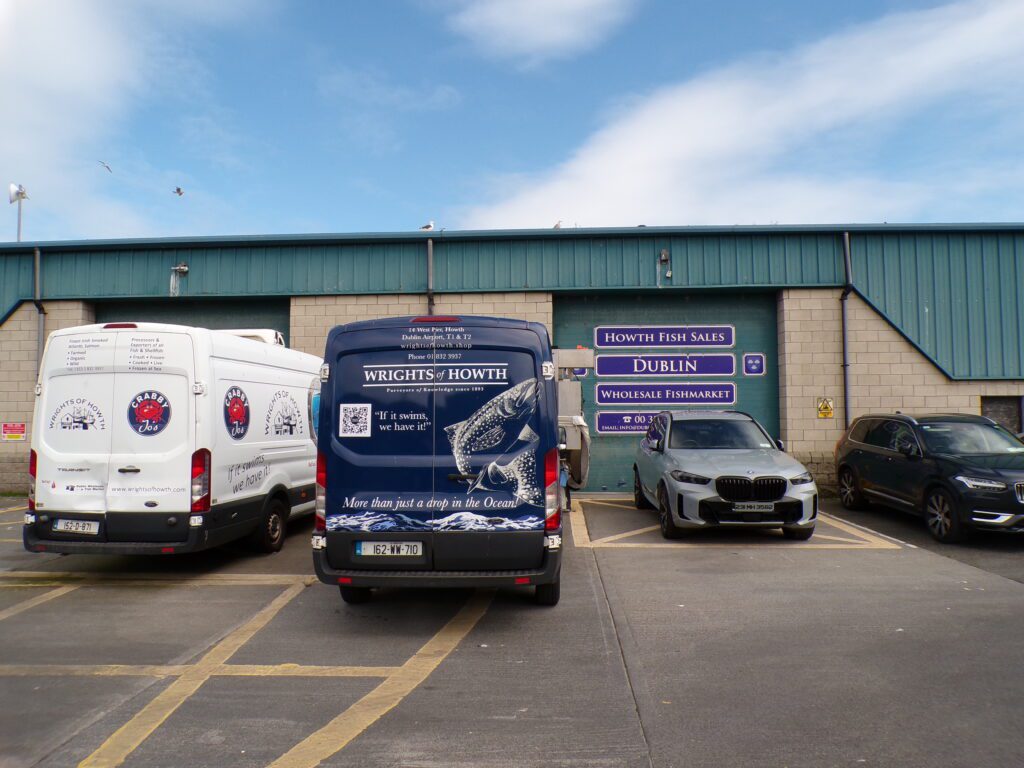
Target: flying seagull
point(179, 191)
point(105, 166)
point(428, 226)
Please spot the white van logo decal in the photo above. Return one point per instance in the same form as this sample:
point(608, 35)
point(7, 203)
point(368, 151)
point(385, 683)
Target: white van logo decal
point(501, 426)
point(283, 416)
point(78, 415)
point(149, 412)
point(236, 413)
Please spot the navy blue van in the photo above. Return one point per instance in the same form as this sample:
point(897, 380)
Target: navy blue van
point(437, 459)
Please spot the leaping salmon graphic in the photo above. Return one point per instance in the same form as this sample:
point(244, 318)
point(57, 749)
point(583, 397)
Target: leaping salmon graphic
point(499, 426)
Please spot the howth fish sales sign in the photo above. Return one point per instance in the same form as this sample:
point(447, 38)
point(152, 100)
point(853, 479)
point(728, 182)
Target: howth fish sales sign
point(626, 336)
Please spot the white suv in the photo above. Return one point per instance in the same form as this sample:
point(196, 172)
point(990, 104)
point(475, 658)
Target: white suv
point(721, 468)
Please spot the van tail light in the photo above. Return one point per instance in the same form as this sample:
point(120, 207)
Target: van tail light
point(32, 462)
point(201, 481)
point(552, 514)
point(320, 526)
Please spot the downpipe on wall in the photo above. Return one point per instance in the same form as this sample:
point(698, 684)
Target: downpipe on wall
point(40, 310)
point(843, 300)
point(430, 276)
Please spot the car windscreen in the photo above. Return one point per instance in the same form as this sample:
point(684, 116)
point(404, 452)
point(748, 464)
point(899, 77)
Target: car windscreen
point(717, 433)
point(959, 438)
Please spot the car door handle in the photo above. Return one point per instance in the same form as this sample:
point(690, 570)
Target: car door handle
point(457, 477)
point(129, 470)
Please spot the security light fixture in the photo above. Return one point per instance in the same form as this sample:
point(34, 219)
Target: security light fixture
point(15, 194)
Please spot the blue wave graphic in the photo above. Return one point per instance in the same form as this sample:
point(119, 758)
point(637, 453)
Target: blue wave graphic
point(381, 522)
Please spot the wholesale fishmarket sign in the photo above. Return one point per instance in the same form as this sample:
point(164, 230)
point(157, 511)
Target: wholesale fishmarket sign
point(626, 336)
point(666, 393)
point(721, 364)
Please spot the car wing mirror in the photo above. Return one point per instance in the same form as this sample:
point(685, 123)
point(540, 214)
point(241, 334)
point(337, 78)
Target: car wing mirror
point(780, 445)
point(909, 450)
point(659, 446)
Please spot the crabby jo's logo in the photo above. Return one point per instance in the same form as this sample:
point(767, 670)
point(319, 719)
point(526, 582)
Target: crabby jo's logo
point(149, 412)
point(236, 413)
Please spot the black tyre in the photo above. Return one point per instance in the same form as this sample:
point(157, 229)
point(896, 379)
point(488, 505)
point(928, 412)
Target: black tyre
point(850, 495)
point(668, 527)
point(355, 595)
point(269, 534)
point(548, 594)
point(798, 534)
point(639, 500)
point(943, 517)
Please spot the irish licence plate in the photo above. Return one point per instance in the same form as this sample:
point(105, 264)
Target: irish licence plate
point(389, 548)
point(77, 526)
point(753, 506)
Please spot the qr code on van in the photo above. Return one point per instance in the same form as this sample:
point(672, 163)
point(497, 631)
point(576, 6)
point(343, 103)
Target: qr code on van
point(355, 421)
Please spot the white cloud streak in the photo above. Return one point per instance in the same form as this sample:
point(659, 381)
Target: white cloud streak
point(530, 32)
point(71, 71)
point(726, 147)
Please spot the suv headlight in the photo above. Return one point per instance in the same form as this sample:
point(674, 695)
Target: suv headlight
point(981, 483)
point(803, 479)
point(688, 477)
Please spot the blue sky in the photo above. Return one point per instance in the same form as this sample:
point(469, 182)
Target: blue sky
point(353, 117)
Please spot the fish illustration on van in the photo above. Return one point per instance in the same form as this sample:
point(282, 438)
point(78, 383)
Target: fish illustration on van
point(501, 426)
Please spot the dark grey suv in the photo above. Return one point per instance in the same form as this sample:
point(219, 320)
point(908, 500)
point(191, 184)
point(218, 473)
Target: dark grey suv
point(958, 472)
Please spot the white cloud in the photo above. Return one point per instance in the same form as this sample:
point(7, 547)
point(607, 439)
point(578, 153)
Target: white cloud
point(728, 147)
point(533, 31)
point(71, 71)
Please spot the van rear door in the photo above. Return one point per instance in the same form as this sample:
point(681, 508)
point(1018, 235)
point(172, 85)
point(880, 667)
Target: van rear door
point(153, 434)
point(493, 425)
point(74, 422)
point(380, 446)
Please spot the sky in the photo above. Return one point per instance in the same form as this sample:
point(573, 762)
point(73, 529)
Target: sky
point(321, 116)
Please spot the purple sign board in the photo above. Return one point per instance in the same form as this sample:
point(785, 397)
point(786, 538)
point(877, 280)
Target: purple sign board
point(666, 393)
point(626, 336)
point(722, 364)
point(624, 422)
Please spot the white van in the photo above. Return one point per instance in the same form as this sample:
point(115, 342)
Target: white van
point(153, 438)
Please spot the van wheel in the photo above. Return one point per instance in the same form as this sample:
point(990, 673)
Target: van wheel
point(548, 594)
point(269, 534)
point(355, 595)
point(639, 500)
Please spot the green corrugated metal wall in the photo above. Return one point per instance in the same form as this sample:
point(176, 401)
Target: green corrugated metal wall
point(953, 291)
point(753, 315)
point(957, 296)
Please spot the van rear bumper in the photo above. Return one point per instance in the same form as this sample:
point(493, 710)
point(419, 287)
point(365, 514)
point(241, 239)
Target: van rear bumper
point(548, 573)
point(198, 539)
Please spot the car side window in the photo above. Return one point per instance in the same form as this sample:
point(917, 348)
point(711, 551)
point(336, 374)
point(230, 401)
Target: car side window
point(877, 434)
point(860, 430)
point(902, 438)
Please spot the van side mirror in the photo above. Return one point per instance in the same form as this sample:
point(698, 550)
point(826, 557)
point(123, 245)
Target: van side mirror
point(780, 445)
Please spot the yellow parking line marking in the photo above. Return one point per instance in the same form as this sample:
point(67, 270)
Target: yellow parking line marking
point(877, 542)
point(300, 670)
point(627, 534)
point(838, 538)
point(130, 735)
point(609, 504)
point(95, 670)
point(12, 541)
point(32, 602)
point(778, 542)
point(336, 735)
point(176, 670)
point(580, 534)
point(86, 578)
point(13, 509)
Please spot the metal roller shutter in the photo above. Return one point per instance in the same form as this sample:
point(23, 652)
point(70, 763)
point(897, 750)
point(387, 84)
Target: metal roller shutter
point(753, 315)
point(203, 313)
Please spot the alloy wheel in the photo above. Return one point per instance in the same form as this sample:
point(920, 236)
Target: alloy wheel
point(846, 489)
point(940, 515)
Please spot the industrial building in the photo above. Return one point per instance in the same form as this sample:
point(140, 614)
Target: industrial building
point(802, 327)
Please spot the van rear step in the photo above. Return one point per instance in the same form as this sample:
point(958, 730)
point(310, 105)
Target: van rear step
point(364, 578)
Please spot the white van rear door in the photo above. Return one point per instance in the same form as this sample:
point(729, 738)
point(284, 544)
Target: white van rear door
point(153, 433)
point(74, 422)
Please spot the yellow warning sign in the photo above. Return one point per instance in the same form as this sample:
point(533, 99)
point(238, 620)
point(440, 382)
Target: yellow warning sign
point(826, 409)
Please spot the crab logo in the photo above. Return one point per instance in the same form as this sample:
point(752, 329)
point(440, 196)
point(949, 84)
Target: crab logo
point(236, 413)
point(149, 412)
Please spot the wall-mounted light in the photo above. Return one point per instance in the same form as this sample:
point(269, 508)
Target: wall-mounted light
point(178, 271)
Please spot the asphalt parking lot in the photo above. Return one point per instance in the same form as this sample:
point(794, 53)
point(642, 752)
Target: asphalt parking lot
point(866, 645)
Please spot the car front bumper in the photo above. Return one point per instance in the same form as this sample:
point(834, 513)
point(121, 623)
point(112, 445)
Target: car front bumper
point(700, 506)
